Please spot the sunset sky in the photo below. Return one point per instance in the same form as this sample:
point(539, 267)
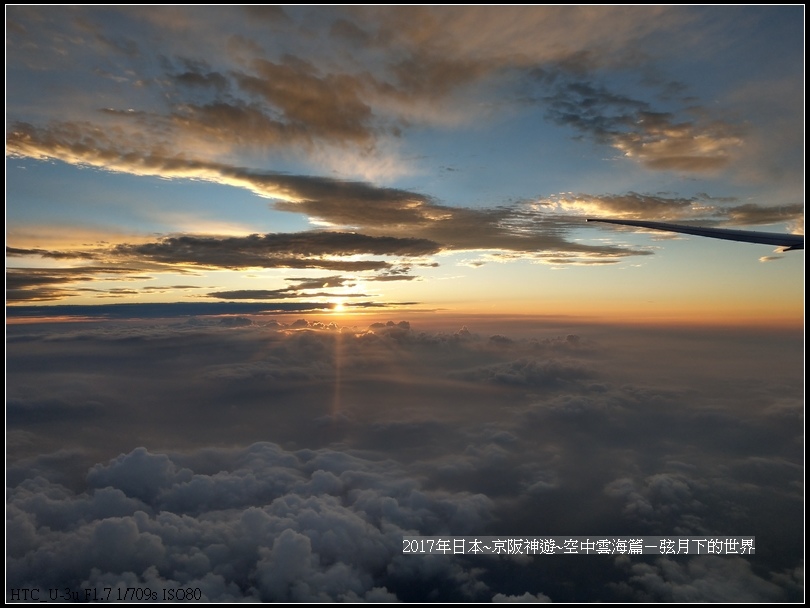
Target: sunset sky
point(284, 285)
point(431, 159)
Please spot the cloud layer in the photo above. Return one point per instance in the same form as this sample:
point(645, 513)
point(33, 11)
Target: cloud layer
point(274, 460)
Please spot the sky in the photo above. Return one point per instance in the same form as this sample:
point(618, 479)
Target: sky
point(284, 284)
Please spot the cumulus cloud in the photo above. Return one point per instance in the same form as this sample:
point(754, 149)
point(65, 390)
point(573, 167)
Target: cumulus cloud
point(521, 599)
point(270, 525)
point(328, 443)
point(706, 579)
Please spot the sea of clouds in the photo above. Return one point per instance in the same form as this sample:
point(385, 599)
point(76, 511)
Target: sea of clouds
point(275, 459)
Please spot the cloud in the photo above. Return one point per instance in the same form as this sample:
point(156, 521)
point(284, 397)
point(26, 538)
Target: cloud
point(630, 205)
point(258, 456)
point(46, 284)
point(332, 442)
point(378, 211)
point(701, 209)
point(271, 525)
point(187, 253)
point(260, 250)
point(707, 579)
point(687, 141)
point(329, 105)
point(752, 214)
point(528, 372)
point(666, 502)
point(356, 79)
point(390, 212)
point(520, 231)
point(277, 294)
point(384, 221)
point(521, 599)
point(221, 106)
point(25, 411)
point(320, 282)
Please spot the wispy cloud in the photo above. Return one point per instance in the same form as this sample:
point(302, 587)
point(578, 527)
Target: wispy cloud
point(366, 76)
point(688, 140)
point(50, 284)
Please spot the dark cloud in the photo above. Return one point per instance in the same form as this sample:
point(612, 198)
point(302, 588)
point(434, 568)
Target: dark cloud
point(213, 80)
point(44, 284)
point(170, 287)
point(526, 598)
point(393, 277)
point(56, 255)
point(643, 205)
point(159, 310)
point(350, 31)
point(294, 100)
point(234, 122)
point(272, 14)
point(332, 442)
point(24, 411)
point(278, 294)
point(423, 65)
point(329, 105)
point(701, 209)
point(320, 282)
point(528, 373)
point(271, 525)
point(753, 214)
point(278, 250)
point(303, 250)
point(688, 140)
point(705, 579)
point(423, 74)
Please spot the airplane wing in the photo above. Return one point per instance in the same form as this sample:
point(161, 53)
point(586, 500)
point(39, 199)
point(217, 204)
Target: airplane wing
point(787, 241)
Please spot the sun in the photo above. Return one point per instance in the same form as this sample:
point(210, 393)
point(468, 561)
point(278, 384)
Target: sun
point(338, 306)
